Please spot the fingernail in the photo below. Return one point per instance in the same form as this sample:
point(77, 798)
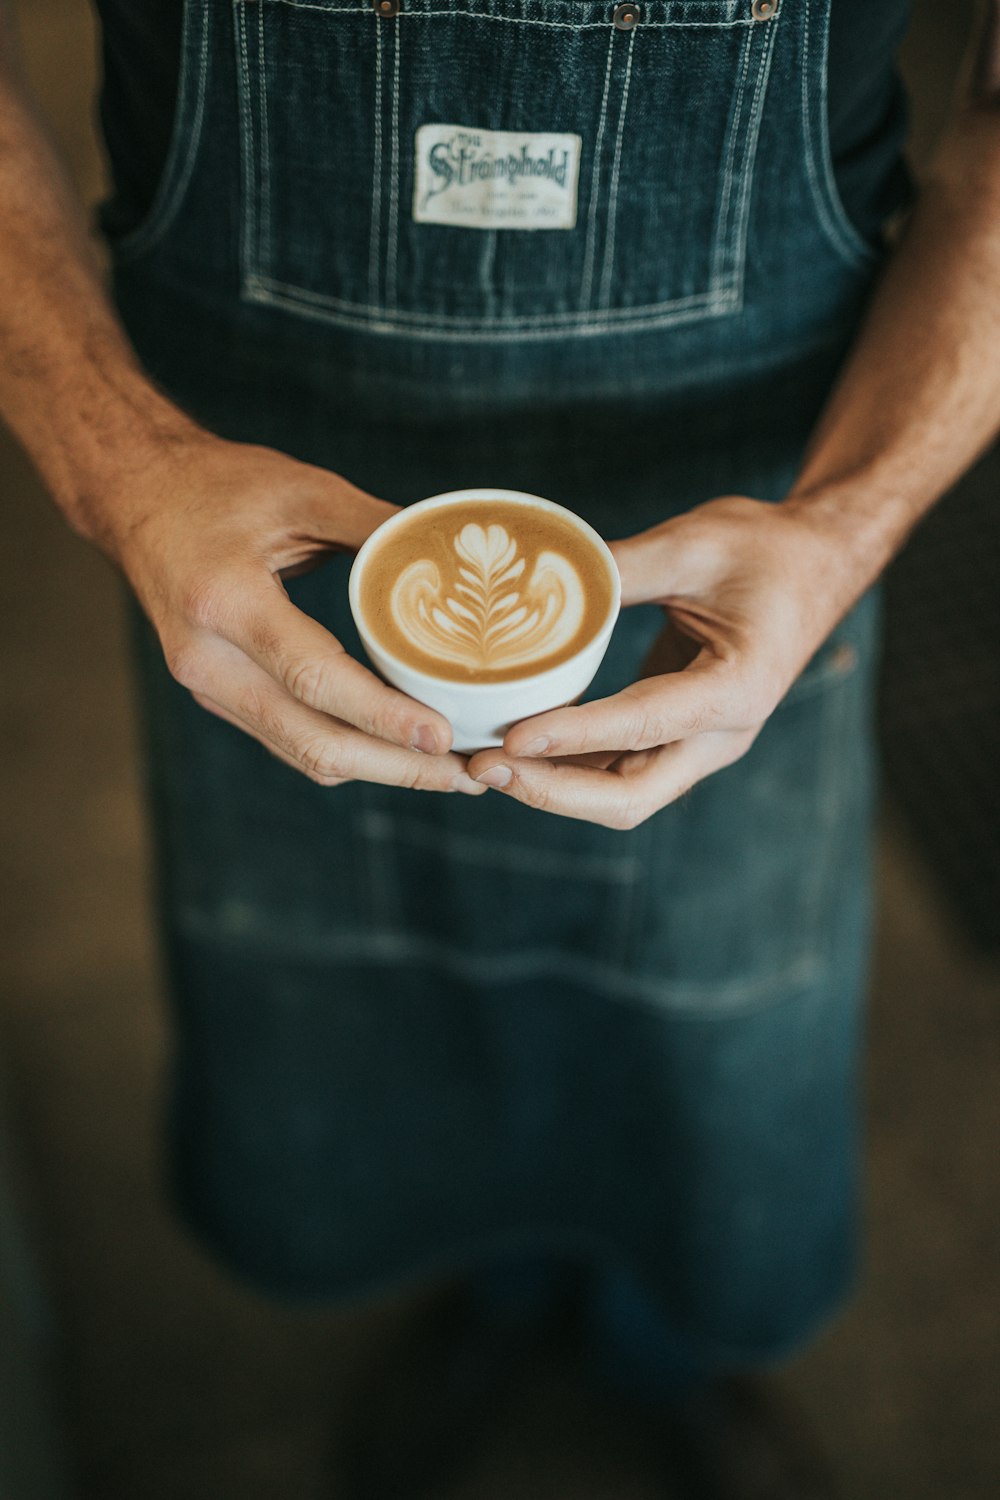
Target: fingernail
point(495, 776)
point(537, 747)
point(425, 740)
point(463, 783)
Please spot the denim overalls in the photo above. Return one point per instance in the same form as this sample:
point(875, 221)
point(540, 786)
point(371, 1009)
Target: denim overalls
point(597, 253)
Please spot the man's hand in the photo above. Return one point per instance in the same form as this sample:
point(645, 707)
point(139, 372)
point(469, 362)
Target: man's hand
point(204, 536)
point(756, 588)
point(750, 591)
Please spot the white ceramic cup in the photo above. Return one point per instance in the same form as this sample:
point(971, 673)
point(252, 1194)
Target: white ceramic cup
point(480, 713)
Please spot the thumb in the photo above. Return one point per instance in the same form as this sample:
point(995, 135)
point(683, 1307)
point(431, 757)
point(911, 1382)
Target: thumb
point(350, 514)
point(337, 518)
point(653, 564)
point(686, 555)
point(326, 505)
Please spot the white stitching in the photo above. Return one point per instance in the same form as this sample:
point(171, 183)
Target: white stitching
point(333, 9)
point(383, 873)
point(419, 15)
point(174, 187)
point(595, 180)
point(487, 270)
point(473, 323)
point(264, 250)
point(375, 225)
point(741, 224)
point(389, 947)
point(618, 321)
point(393, 237)
point(609, 238)
point(722, 222)
point(327, 10)
point(515, 859)
point(718, 299)
point(248, 240)
point(843, 236)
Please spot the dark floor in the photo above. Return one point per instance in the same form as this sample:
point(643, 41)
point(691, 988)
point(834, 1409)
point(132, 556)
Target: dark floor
point(179, 1384)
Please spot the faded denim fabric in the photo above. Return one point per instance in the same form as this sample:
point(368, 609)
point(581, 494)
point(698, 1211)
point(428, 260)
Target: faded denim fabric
point(417, 1034)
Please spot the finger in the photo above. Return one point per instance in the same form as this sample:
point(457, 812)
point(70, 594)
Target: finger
point(325, 749)
point(621, 796)
point(314, 668)
point(653, 711)
point(219, 712)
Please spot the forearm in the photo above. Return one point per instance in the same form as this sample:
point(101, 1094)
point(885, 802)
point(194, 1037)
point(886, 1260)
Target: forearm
point(919, 397)
point(70, 386)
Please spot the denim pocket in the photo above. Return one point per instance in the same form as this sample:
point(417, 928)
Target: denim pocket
point(178, 167)
point(746, 876)
point(496, 892)
point(832, 218)
point(667, 114)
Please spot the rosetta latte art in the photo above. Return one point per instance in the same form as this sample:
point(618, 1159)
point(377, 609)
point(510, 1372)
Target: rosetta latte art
point(489, 615)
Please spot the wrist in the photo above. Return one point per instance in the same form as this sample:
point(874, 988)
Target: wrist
point(99, 465)
point(863, 525)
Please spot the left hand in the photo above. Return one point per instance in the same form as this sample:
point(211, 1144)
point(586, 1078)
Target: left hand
point(750, 590)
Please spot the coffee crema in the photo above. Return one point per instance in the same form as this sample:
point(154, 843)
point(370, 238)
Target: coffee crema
point(485, 590)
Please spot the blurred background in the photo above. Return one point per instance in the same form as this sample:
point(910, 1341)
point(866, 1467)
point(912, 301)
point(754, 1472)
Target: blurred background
point(129, 1367)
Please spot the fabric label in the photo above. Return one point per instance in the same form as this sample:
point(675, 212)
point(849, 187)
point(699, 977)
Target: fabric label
point(495, 179)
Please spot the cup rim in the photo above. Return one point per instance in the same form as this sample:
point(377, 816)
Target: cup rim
point(455, 497)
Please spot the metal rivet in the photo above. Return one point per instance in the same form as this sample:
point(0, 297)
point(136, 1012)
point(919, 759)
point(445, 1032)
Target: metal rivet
point(843, 658)
point(763, 10)
point(387, 8)
point(626, 17)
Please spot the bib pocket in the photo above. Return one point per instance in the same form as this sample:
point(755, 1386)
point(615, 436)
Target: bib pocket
point(499, 169)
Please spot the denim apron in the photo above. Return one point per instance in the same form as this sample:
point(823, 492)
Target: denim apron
point(414, 1033)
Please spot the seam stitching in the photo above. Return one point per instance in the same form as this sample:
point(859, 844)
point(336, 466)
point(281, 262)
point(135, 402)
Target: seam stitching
point(375, 221)
point(264, 284)
point(393, 233)
point(609, 238)
point(388, 946)
point(595, 182)
point(381, 867)
point(514, 858)
point(473, 324)
point(178, 169)
point(742, 221)
point(723, 294)
point(629, 903)
point(625, 320)
point(420, 15)
point(248, 237)
point(842, 235)
point(721, 253)
point(264, 228)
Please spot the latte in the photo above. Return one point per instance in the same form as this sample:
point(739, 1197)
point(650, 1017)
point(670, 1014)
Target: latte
point(485, 590)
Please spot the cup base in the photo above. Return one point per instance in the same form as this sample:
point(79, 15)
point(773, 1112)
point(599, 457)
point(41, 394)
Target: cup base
point(464, 744)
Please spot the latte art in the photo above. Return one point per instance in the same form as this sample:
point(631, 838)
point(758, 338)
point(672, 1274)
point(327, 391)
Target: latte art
point(491, 613)
point(485, 590)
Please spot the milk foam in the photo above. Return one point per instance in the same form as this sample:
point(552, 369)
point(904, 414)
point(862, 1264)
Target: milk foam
point(483, 613)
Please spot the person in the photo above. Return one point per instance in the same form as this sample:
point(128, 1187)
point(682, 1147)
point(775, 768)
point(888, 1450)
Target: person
point(606, 1015)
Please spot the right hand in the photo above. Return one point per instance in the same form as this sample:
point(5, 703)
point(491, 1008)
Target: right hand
point(204, 536)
